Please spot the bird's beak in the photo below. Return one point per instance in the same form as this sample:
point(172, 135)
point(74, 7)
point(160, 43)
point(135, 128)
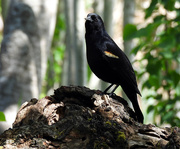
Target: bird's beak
point(88, 18)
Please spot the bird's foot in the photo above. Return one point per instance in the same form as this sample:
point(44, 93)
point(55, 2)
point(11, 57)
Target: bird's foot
point(109, 94)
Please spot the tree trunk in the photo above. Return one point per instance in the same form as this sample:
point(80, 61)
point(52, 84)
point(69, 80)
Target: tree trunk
point(79, 30)
point(27, 39)
point(4, 7)
point(69, 65)
point(99, 7)
point(108, 16)
point(108, 22)
point(129, 11)
point(74, 68)
point(80, 118)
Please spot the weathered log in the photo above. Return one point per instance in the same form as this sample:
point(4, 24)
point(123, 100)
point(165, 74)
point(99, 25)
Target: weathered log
point(79, 118)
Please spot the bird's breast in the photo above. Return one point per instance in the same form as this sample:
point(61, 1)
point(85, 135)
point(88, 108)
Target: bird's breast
point(99, 66)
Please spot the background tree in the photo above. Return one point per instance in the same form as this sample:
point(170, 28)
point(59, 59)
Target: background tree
point(128, 18)
point(27, 39)
point(74, 69)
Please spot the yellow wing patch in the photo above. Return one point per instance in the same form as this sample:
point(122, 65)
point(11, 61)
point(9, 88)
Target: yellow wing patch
point(109, 54)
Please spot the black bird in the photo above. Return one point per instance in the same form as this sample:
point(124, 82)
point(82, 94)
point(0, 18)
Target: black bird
point(108, 62)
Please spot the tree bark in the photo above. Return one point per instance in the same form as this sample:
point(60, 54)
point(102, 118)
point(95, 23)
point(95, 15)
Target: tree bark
point(24, 50)
point(76, 117)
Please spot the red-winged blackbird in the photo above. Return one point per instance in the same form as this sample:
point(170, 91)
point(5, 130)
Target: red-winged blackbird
point(108, 62)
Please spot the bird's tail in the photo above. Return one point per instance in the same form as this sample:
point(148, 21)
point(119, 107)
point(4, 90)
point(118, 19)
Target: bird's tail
point(133, 98)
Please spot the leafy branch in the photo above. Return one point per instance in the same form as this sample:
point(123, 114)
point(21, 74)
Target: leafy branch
point(159, 43)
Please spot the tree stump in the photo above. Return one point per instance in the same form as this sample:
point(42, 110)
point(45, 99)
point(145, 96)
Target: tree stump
point(79, 118)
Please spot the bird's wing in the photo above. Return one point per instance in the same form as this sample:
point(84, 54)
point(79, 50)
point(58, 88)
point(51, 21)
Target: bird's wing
point(119, 62)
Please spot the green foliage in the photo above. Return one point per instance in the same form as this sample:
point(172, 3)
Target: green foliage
point(2, 116)
point(55, 61)
point(159, 42)
point(129, 31)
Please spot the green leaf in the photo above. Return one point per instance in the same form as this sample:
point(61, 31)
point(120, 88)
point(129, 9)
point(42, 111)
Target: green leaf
point(154, 65)
point(158, 97)
point(167, 42)
point(158, 18)
point(150, 108)
point(146, 84)
point(151, 8)
point(175, 77)
point(137, 48)
point(147, 31)
point(177, 89)
point(129, 31)
point(169, 4)
point(167, 54)
point(154, 81)
point(2, 116)
point(178, 59)
point(57, 68)
point(168, 116)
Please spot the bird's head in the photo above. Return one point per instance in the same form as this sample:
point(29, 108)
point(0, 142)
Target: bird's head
point(94, 23)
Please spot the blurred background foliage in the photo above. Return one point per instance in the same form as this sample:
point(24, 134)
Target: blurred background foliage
point(159, 45)
point(55, 61)
point(156, 49)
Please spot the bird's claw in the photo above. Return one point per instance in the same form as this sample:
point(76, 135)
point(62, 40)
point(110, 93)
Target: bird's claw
point(109, 94)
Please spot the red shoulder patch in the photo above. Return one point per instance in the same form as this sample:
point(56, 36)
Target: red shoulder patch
point(109, 54)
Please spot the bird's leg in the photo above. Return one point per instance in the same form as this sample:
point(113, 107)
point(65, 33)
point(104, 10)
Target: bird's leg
point(105, 91)
point(110, 94)
point(113, 90)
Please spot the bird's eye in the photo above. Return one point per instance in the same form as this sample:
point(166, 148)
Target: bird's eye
point(94, 18)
